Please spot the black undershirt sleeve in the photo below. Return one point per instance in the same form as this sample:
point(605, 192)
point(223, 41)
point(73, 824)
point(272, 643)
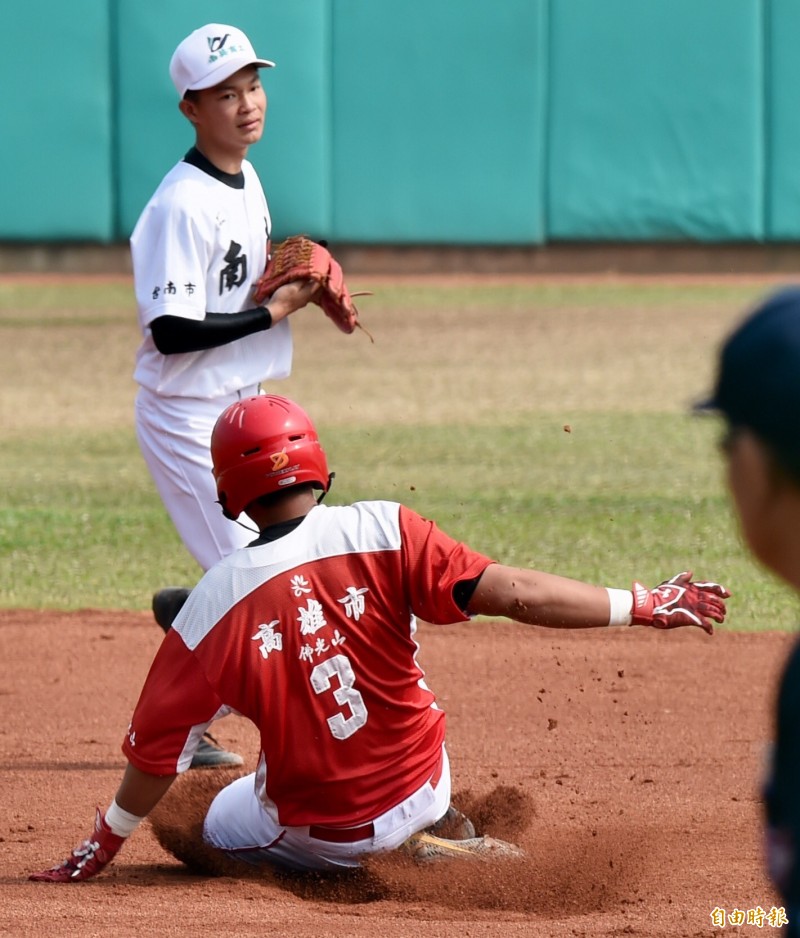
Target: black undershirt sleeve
point(173, 334)
point(463, 590)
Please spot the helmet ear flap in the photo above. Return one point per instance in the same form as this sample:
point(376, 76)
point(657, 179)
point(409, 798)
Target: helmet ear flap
point(327, 488)
point(222, 502)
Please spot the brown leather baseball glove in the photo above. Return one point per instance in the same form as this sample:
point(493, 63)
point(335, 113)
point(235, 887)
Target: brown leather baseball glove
point(300, 258)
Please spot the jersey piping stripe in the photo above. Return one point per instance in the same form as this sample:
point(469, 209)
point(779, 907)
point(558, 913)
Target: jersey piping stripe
point(364, 527)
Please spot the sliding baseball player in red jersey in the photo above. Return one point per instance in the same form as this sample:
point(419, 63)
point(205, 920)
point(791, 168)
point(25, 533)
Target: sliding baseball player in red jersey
point(310, 632)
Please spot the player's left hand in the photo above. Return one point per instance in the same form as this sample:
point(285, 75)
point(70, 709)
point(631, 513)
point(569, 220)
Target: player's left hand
point(87, 859)
point(678, 602)
point(297, 293)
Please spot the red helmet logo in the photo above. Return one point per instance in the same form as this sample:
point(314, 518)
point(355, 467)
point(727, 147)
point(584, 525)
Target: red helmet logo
point(279, 460)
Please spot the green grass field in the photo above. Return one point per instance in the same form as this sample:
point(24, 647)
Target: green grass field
point(547, 424)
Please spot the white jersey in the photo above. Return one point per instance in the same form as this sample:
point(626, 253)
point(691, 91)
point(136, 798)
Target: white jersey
point(199, 246)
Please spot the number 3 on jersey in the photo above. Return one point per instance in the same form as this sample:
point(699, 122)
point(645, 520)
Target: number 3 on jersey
point(345, 694)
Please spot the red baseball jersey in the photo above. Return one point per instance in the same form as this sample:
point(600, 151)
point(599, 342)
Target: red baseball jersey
point(312, 637)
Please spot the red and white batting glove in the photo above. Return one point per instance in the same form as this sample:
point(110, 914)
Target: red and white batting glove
point(678, 602)
point(87, 859)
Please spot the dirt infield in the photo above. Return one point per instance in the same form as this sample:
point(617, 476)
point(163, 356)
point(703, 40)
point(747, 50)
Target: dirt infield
point(629, 762)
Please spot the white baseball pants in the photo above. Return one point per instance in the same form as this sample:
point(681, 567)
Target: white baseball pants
point(238, 823)
point(174, 436)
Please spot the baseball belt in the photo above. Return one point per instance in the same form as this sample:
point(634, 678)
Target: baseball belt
point(349, 835)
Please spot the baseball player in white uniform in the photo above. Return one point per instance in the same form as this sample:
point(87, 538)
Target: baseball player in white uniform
point(198, 247)
point(311, 633)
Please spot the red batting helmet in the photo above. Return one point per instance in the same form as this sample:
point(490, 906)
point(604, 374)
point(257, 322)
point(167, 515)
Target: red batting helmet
point(264, 444)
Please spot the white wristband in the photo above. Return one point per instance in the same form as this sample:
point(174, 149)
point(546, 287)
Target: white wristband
point(621, 606)
point(121, 822)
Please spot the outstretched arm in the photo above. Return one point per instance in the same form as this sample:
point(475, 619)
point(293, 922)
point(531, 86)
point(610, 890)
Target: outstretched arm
point(138, 793)
point(539, 598)
point(559, 602)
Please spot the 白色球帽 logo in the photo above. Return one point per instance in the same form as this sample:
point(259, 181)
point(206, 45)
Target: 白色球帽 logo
point(215, 43)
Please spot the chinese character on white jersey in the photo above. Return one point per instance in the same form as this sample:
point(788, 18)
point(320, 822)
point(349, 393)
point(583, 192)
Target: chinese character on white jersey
point(311, 619)
point(300, 585)
point(269, 638)
point(353, 602)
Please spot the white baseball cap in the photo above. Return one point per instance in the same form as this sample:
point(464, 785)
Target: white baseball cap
point(209, 55)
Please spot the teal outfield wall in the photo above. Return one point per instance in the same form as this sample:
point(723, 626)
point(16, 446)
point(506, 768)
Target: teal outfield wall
point(485, 122)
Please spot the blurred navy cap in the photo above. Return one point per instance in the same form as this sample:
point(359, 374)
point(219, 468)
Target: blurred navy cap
point(758, 380)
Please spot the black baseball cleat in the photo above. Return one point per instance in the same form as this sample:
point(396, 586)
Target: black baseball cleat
point(167, 603)
point(210, 754)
